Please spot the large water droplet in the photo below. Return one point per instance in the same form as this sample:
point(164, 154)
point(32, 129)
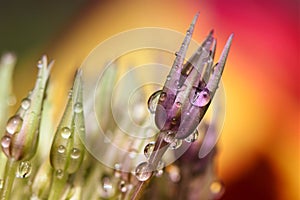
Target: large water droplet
point(75, 153)
point(78, 107)
point(24, 169)
point(65, 132)
point(26, 103)
point(201, 98)
point(217, 189)
point(193, 137)
point(149, 149)
point(14, 124)
point(169, 137)
point(5, 142)
point(176, 144)
point(152, 101)
point(59, 173)
point(61, 149)
point(143, 171)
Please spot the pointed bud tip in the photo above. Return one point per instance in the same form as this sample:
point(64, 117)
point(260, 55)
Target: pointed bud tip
point(195, 18)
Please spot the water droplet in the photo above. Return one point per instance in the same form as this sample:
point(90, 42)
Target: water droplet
point(193, 137)
point(176, 144)
point(160, 169)
point(59, 173)
point(217, 189)
point(174, 121)
point(149, 149)
point(201, 98)
point(65, 132)
point(176, 53)
point(78, 107)
point(106, 190)
point(178, 104)
point(24, 170)
point(40, 64)
point(117, 170)
point(61, 149)
point(163, 96)
point(174, 173)
point(75, 153)
point(123, 186)
point(152, 101)
point(26, 103)
point(143, 171)
point(169, 137)
point(14, 124)
point(1, 183)
point(168, 77)
point(5, 142)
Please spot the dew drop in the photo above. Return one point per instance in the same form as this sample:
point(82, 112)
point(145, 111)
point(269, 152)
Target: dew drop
point(14, 124)
point(61, 149)
point(75, 154)
point(149, 149)
point(143, 171)
point(123, 186)
point(59, 173)
point(169, 137)
point(193, 137)
point(163, 96)
point(178, 104)
point(117, 170)
point(201, 98)
point(217, 189)
point(168, 77)
point(5, 142)
point(174, 121)
point(65, 132)
point(160, 169)
point(152, 101)
point(26, 103)
point(176, 144)
point(176, 53)
point(78, 107)
point(106, 190)
point(40, 64)
point(24, 169)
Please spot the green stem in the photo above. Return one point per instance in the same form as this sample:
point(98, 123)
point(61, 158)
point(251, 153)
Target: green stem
point(57, 187)
point(9, 177)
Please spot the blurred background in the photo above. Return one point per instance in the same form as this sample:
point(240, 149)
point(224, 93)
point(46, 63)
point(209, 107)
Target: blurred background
point(258, 155)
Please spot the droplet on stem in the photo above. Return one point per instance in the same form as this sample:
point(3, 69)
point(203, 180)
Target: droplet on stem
point(176, 144)
point(61, 149)
point(143, 171)
point(24, 169)
point(14, 124)
point(59, 173)
point(26, 103)
point(5, 142)
point(149, 149)
point(152, 101)
point(75, 153)
point(65, 132)
point(192, 137)
point(78, 107)
point(169, 137)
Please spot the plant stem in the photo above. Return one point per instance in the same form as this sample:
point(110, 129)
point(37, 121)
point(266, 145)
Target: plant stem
point(9, 177)
point(57, 187)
